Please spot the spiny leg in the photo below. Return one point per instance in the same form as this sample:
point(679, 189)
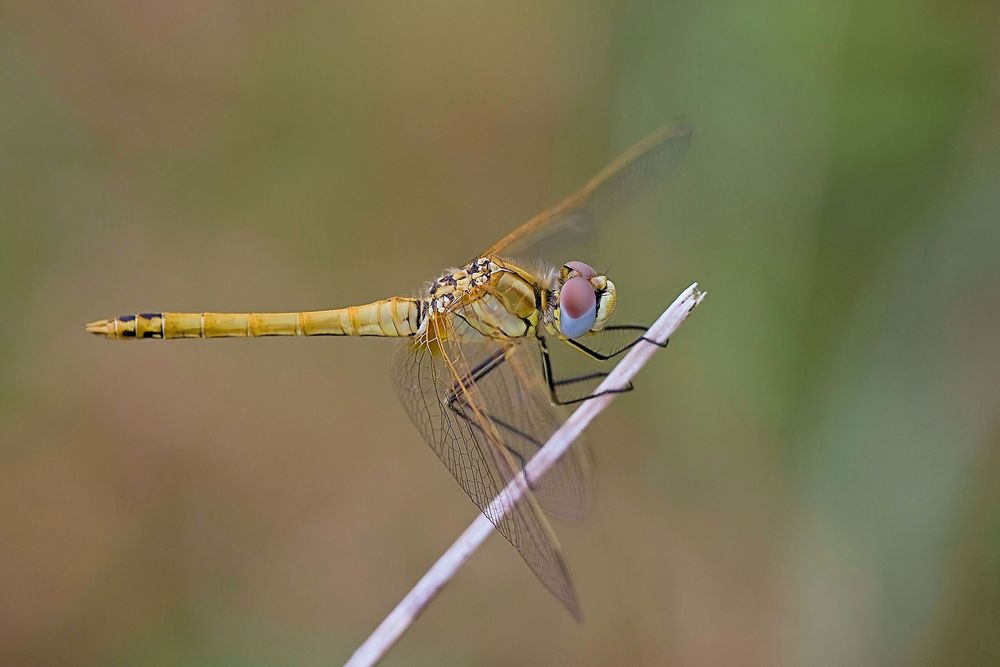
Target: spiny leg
point(597, 356)
point(552, 383)
point(580, 378)
point(600, 356)
point(635, 327)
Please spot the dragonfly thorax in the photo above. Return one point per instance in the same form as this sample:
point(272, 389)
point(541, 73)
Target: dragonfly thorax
point(453, 285)
point(488, 298)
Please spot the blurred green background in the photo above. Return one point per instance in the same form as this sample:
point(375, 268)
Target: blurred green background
point(809, 475)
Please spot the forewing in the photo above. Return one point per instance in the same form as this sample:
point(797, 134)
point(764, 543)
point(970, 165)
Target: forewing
point(428, 372)
point(636, 169)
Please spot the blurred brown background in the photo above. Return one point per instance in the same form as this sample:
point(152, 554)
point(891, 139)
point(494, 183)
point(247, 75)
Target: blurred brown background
point(809, 475)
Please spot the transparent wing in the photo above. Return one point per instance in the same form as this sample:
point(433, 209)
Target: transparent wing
point(518, 403)
point(641, 165)
point(435, 384)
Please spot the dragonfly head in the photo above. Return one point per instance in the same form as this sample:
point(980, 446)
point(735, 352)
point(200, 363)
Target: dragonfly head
point(585, 301)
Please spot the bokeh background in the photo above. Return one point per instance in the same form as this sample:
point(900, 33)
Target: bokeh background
point(810, 474)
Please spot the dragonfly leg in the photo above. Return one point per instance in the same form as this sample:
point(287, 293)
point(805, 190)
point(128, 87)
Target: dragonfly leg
point(580, 378)
point(457, 404)
point(635, 327)
point(600, 356)
point(553, 383)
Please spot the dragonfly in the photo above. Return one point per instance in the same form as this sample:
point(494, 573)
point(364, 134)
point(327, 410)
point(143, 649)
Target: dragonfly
point(473, 370)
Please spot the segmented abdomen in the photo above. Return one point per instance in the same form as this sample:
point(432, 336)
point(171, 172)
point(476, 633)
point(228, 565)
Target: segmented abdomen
point(396, 316)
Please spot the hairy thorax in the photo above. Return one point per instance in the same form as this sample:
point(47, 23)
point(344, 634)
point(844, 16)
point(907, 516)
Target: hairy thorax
point(489, 298)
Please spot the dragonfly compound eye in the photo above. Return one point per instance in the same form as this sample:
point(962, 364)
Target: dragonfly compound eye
point(585, 270)
point(577, 307)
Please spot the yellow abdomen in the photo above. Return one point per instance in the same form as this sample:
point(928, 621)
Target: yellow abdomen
point(396, 316)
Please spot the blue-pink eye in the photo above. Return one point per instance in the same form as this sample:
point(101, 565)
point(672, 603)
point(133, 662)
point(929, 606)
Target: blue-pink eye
point(577, 307)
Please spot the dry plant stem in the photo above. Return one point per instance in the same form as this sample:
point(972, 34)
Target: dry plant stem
point(396, 623)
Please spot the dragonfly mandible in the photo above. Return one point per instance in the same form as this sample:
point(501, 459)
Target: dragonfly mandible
point(473, 370)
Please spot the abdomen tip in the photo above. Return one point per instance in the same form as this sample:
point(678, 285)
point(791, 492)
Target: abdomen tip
point(98, 327)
